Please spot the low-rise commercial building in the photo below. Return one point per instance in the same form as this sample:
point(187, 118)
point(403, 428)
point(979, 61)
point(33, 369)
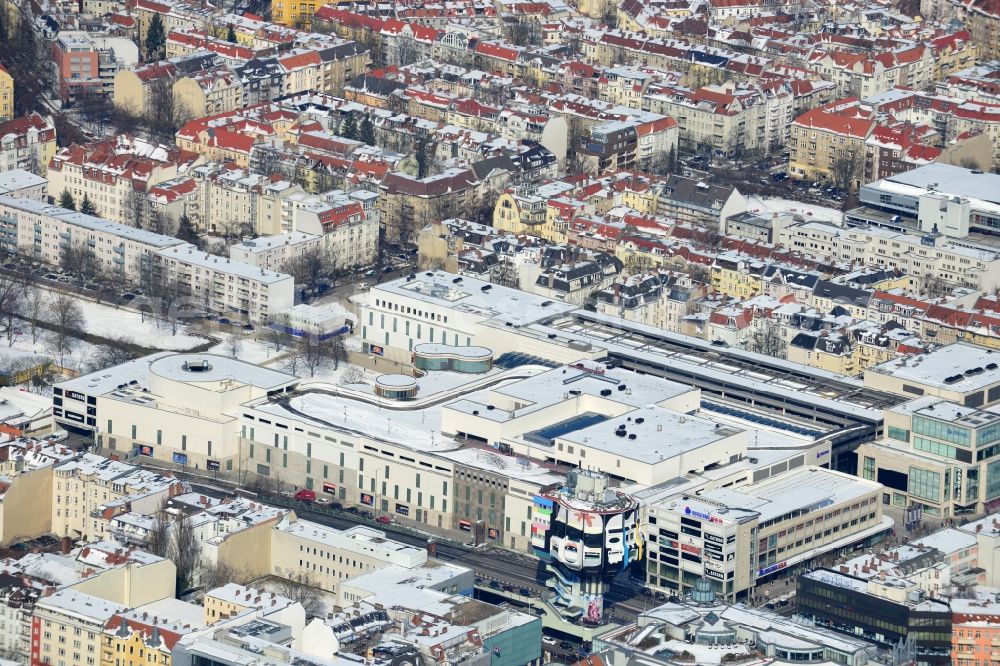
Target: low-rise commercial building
point(737, 538)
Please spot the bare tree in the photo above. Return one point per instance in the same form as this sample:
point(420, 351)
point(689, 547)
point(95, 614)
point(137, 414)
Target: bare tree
point(121, 350)
point(353, 375)
point(234, 343)
point(302, 590)
point(313, 354)
point(32, 309)
point(183, 552)
point(67, 320)
point(158, 538)
point(767, 339)
point(307, 268)
point(847, 169)
point(12, 297)
point(135, 209)
point(278, 339)
point(216, 575)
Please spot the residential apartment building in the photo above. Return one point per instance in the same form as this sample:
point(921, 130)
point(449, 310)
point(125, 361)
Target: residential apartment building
point(964, 263)
point(113, 173)
point(226, 286)
point(67, 626)
point(27, 143)
point(406, 203)
point(210, 282)
point(45, 232)
point(275, 252)
point(726, 119)
point(86, 65)
point(826, 145)
point(89, 490)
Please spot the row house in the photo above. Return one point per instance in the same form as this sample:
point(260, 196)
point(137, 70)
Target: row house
point(138, 90)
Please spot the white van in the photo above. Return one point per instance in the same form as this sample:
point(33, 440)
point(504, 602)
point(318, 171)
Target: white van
point(59, 435)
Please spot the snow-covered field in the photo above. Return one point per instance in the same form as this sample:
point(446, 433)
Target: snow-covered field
point(110, 322)
point(757, 204)
point(251, 349)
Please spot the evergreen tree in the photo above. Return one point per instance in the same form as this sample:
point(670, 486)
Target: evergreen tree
point(156, 38)
point(367, 131)
point(87, 206)
point(186, 231)
point(231, 34)
point(349, 128)
point(66, 200)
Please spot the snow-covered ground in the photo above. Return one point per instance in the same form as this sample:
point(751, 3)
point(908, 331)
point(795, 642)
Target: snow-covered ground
point(757, 204)
point(252, 349)
point(78, 357)
point(110, 322)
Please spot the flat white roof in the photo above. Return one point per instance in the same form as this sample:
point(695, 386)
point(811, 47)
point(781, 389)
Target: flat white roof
point(19, 179)
point(189, 254)
point(199, 368)
point(475, 297)
point(947, 368)
point(90, 222)
point(804, 488)
point(660, 434)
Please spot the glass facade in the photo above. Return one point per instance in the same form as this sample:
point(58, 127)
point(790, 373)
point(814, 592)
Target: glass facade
point(899, 434)
point(924, 484)
point(881, 621)
point(941, 430)
point(993, 480)
point(939, 449)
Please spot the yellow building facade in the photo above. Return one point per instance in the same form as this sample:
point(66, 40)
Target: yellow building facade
point(6, 94)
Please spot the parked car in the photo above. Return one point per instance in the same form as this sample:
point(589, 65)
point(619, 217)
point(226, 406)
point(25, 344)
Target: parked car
point(384, 519)
point(305, 495)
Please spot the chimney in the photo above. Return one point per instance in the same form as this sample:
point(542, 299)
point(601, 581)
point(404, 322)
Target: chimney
point(65, 545)
point(431, 548)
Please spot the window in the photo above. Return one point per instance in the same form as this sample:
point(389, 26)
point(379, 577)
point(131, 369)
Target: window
point(869, 468)
point(925, 484)
point(899, 434)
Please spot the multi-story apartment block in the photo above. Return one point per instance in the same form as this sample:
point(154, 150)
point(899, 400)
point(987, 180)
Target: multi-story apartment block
point(27, 143)
point(226, 286)
point(830, 146)
point(86, 65)
point(89, 490)
point(113, 173)
point(728, 118)
point(67, 628)
point(138, 90)
point(963, 263)
point(276, 252)
point(45, 232)
point(658, 298)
